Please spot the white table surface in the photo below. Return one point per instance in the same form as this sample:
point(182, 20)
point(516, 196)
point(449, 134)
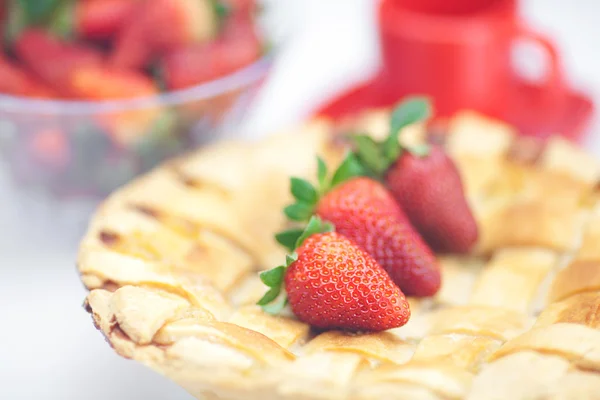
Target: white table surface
point(50, 349)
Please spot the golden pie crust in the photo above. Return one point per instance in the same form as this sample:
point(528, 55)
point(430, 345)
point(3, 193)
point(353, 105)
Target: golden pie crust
point(172, 263)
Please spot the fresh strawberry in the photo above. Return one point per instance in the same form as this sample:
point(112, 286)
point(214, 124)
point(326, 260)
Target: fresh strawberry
point(16, 81)
point(331, 283)
point(189, 66)
point(162, 25)
point(126, 126)
point(424, 181)
point(101, 19)
point(181, 22)
point(101, 83)
point(132, 48)
point(363, 210)
point(195, 64)
point(238, 6)
point(54, 60)
point(430, 191)
point(239, 44)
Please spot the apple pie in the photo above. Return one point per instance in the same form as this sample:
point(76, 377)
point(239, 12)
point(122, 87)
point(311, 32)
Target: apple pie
point(172, 263)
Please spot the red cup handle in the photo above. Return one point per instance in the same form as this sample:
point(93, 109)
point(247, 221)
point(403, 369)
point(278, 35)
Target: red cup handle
point(553, 84)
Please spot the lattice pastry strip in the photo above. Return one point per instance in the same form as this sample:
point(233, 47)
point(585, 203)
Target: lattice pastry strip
point(576, 343)
point(493, 322)
point(530, 375)
point(166, 196)
point(562, 157)
point(582, 308)
point(444, 379)
point(577, 277)
point(479, 157)
point(528, 222)
point(285, 331)
point(564, 336)
point(512, 277)
point(590, 250)
point(464, 351)
point(459, 275)
point(382, 347)
point(204, 253)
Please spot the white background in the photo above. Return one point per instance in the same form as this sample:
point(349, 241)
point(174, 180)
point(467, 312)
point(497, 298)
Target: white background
point(49, 348)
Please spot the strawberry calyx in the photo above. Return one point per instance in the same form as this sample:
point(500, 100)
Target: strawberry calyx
point(275, 299)
point(54, 15)
point(307, 196)
point(376, 157)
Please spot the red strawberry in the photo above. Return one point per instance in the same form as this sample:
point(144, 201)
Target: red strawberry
point(196, 64)
point(54, 60)
point(101, 83)
point(161, 25)
point(132, 48)
point(190, 65)
point(239, 45)
point(430, 191)
point(180, 22)
point(363, 210)
point(239, 6)
point(334, 284)
point(100, 19)
point(16, 81)
point(424, 181)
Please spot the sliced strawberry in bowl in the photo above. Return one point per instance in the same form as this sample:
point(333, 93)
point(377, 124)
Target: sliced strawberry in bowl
point(239, 45)
point(194, 64)
point(160, 26)
point(190, 65)
point(16, 81)
point(102, 19)
point(52, 59)
point(180, 22)
point(103, 84)
point(238, 6)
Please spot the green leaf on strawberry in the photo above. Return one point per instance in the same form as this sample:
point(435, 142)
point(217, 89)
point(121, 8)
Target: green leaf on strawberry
point(275, 299)
point(348, 169)
point(54, 15)
point(377, 157)
point(288, 238)
point(409, 112)
point(299, 211)
point(307, 196)
point(37, 11)
point(303, 190)
point(321, 171)
point(221, 9)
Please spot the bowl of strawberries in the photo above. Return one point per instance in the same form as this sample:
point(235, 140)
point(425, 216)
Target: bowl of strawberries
point(94, 92)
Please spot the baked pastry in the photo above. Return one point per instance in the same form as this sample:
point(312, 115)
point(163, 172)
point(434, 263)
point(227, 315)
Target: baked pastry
point(172, 263)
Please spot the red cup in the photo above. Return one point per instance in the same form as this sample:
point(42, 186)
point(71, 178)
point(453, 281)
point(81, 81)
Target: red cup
point(457, 7)
point(461, 60)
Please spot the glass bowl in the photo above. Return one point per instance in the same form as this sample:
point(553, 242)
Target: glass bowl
point(85, 148)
